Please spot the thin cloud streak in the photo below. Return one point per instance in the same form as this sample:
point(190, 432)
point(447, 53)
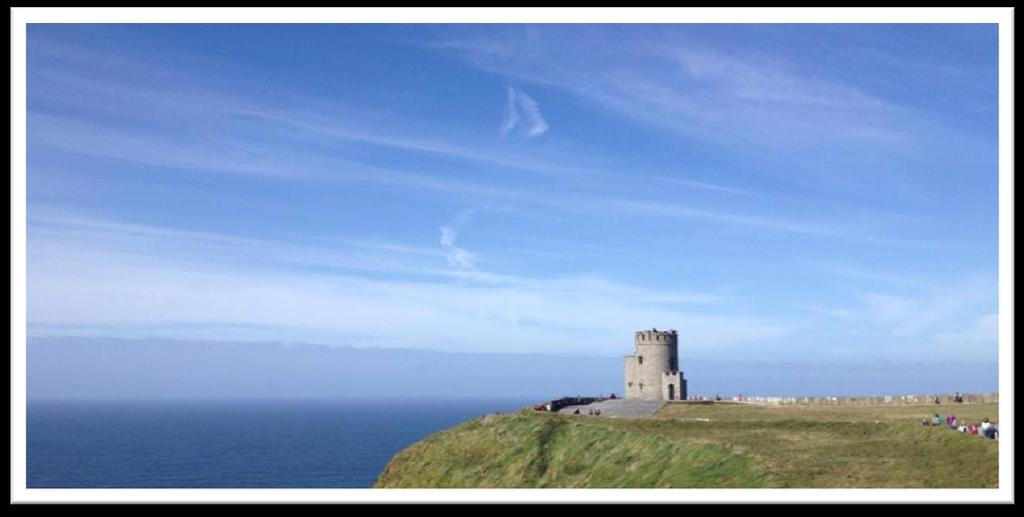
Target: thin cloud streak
point(912, 317)
point(241, 116)
point(751, 221)
point(869, 275)
point(216, 156)
point(712, 187)
point(76, 281)
point(511, 113)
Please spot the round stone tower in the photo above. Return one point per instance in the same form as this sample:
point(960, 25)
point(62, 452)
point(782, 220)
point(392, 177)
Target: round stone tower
point(652, 372)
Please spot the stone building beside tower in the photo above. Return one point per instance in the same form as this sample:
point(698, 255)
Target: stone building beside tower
point(652, 372)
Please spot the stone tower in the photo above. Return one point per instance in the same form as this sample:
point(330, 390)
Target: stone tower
point(652, 372)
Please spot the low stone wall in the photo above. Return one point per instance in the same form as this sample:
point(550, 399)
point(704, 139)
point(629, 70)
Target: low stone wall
point(968, 398)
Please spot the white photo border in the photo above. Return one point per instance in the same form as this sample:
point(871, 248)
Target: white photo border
point(20, 17)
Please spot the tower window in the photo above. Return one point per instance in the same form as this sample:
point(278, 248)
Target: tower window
point(641, 358)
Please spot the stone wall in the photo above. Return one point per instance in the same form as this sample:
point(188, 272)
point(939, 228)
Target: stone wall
point(632, 378)
point(868, 401)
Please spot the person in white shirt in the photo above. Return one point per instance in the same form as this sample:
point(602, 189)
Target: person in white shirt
point(988, 430)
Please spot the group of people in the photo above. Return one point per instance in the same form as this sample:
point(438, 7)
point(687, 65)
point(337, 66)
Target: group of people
point(594, 412)
point(985, 428)
point(958, 399)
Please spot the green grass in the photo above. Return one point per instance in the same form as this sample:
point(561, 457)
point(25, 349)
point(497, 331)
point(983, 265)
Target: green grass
point(741, 446)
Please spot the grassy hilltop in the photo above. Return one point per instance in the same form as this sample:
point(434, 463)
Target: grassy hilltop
point(706, 446)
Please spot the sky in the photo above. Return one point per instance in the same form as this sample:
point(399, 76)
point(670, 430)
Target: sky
point(775, 192)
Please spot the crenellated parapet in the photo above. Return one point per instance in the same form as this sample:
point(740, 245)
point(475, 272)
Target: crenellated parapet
point(655, 336)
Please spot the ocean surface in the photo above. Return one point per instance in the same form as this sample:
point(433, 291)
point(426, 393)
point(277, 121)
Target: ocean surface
point(231, 444)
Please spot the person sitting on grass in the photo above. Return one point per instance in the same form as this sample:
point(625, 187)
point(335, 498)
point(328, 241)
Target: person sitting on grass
point(936, 420)
point(988, 430)
point(924, 422)
point(972, 430)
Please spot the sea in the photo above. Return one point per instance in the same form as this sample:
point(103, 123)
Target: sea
point(231, 444)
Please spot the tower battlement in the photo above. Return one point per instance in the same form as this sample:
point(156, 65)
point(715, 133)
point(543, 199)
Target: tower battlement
point(655, 336)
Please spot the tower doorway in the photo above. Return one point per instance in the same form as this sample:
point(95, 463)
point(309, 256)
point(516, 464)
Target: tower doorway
point(671, 391)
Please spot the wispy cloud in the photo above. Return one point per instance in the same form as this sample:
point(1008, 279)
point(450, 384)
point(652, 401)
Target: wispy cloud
point(511, 112)
point(216, 154)
point(456, 256)
point(677, 211)
point(845, 314)
point(701, 92)
point(937, 308)
point(240, 156)
point(245, 124)
point(982, 332)
point(897, 315)
point(869, 275)
point(535, 123)
point(632, 211)
point(974, 339)
point(279, 160)
point(53, 231)
point(753, 104)
point(907, 307)
point(532, 110)
point(700, 185)
point(104, 273)
point(236, 135)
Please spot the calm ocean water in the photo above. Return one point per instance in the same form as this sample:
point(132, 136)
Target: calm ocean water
point(230, 444)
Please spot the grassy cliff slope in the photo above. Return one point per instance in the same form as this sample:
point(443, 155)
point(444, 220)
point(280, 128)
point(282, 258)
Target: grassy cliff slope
point(718, 446)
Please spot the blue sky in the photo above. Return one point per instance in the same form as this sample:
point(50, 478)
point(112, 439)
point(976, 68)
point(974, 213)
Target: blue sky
point(811, 192)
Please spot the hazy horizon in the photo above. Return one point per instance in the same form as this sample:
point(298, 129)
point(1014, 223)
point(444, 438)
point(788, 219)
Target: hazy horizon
point(112, 368)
